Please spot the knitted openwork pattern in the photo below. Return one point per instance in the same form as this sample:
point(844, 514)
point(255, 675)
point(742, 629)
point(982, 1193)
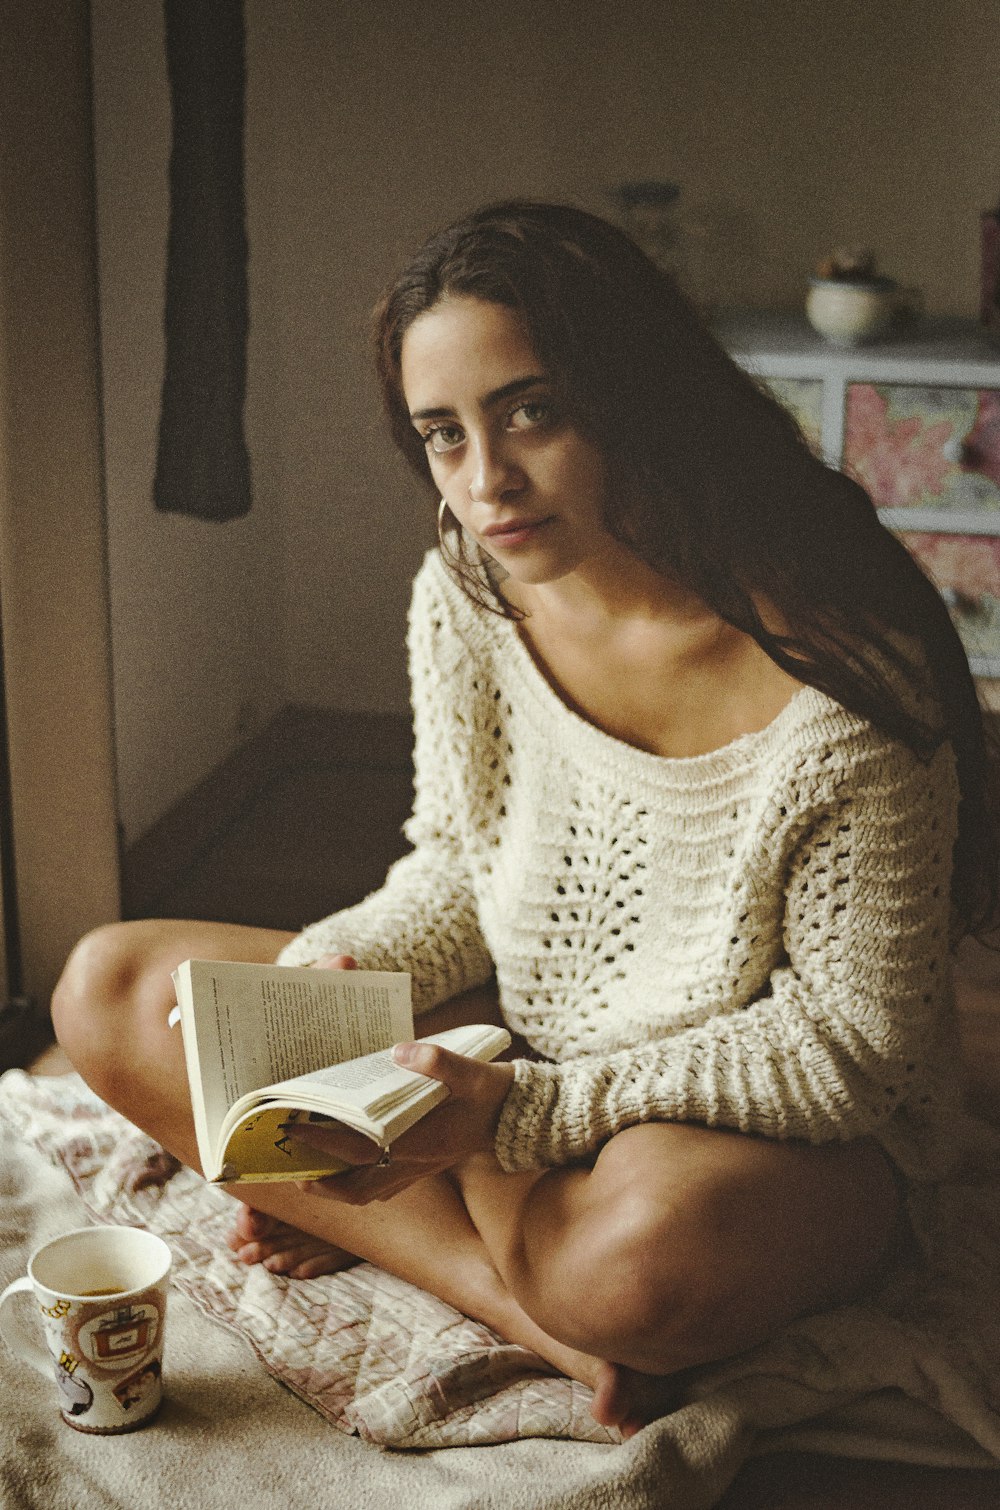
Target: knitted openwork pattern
point(753, 938)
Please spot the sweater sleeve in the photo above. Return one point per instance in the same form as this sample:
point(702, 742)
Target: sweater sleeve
point(424, 918)
point(843, 1037)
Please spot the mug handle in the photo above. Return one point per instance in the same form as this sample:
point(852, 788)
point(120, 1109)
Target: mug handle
point(28, 1352)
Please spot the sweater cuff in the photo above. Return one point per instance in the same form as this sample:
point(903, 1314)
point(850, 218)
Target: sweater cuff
point(305, 949)
point(525, 1124)
point(534, 1131)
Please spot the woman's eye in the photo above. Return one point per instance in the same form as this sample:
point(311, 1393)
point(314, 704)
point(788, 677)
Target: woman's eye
point(443, 438)
point(534, 411)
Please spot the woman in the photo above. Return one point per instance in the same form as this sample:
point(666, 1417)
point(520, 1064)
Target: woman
point(700, 778)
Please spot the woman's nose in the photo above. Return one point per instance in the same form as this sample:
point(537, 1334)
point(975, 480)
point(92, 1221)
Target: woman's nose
point(495, 473)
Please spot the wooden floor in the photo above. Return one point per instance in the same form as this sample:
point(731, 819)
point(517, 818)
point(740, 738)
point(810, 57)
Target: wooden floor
point(306, 821)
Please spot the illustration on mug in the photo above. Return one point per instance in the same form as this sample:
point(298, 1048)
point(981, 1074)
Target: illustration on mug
point(138, 1386)
point(113, 1339)
point(96, 1343)
point(77, 1395)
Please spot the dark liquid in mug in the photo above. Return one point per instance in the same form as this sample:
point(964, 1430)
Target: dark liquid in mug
point(108, 1290)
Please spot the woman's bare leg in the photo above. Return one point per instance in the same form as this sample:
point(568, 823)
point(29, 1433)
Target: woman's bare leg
point(693, 1242)
point(676, 1244)
point(680, 1245)
point(110, 1011)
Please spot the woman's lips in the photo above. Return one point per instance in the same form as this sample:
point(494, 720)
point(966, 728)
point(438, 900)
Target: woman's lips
point(516, 532)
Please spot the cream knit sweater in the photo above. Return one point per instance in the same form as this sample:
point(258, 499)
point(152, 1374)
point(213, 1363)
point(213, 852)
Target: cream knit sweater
point(755, 938)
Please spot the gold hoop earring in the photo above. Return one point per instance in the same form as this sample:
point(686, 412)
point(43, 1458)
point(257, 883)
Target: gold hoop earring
point(442, 508)
point(488, 570)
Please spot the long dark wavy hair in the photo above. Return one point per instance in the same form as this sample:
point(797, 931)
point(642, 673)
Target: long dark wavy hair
point(712, 483)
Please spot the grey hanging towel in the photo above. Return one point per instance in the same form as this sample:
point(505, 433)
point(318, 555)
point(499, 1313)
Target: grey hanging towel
point(202, 465)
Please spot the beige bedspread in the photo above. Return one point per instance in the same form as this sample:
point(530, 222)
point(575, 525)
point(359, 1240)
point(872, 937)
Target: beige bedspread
point(388, 1392)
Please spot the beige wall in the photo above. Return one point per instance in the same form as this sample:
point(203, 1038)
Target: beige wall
point(195, 621)
point(791, 127)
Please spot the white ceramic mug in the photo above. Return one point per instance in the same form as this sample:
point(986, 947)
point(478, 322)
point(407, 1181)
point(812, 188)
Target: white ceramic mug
point(102, 1297)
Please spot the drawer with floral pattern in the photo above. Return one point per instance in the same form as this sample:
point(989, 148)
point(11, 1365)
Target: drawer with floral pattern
point(916, 418)
point(923, 452)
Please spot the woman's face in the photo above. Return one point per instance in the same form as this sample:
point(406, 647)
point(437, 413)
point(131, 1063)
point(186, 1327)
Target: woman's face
point(514, 472)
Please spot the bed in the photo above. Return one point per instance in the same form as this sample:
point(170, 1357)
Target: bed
point(357, 1390)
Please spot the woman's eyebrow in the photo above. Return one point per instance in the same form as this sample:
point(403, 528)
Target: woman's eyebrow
point(495, 396)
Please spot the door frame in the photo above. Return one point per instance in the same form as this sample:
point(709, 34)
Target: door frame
point(53, 557)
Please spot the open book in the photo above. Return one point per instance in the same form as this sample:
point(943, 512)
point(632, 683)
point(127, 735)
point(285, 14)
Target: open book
point(267, 1045)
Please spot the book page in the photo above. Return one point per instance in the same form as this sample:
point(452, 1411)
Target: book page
point(377, 1078)
point(246, 1026)
point(359, 1081)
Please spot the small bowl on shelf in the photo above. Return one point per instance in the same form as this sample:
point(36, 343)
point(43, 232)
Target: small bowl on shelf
point(852, 311)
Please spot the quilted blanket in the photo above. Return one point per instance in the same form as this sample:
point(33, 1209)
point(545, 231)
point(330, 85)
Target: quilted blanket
point(388, 1366)
point(371, 1353)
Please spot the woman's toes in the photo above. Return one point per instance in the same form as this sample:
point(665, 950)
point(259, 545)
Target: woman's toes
point(250, 1226)
point(283, 1249)
point(328, 1260)
point(630, 1400)
point(612, 1399)
point(308, 1258)
point(287, 1251)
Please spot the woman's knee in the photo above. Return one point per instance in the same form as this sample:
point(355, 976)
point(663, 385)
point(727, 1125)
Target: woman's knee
point(700, 1244)
point(111, 1005)
point(620, 1279)
point(127, 967)
point(99, 971)
point(102, 989)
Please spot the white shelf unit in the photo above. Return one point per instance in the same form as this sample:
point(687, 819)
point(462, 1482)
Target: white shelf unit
point(932, 355)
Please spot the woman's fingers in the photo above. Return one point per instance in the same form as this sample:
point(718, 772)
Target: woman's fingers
point(467, 1079)
point(335, 1139)
point(336, 962)
point(454, 1070)
point(356, 1187)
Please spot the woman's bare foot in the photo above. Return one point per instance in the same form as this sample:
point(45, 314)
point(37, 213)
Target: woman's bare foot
point(282, 1249)
point(630, 1400)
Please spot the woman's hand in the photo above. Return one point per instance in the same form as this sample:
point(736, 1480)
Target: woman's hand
point(336, 962)
point(464, 1124)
